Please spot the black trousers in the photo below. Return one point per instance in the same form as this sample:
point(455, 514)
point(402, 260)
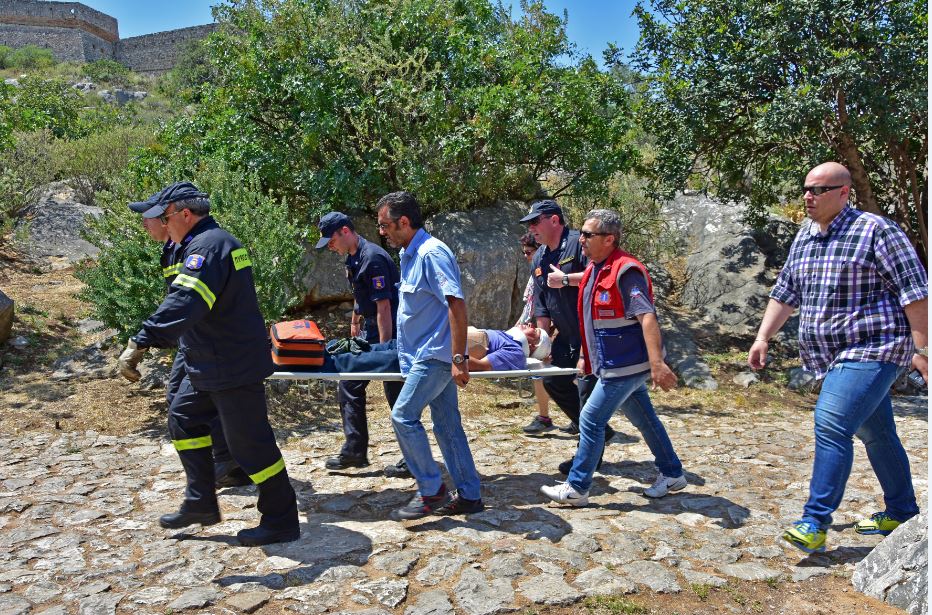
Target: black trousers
point(567, 394)
point(243, 415)
point(351, 394)
point(222, 455)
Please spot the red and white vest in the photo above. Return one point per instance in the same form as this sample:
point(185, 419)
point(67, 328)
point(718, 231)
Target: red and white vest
point(619, 341)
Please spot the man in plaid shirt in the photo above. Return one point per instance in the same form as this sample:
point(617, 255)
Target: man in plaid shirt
point(862, 294)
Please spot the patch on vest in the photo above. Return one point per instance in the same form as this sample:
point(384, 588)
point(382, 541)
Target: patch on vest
point(378, 282)
point(603, 297)
point(606, 313)
point(194, 262)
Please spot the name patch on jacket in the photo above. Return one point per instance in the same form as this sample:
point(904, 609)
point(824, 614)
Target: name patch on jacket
point(568, 259)
point(240, 258)
point(194, 262)
point(378, 282)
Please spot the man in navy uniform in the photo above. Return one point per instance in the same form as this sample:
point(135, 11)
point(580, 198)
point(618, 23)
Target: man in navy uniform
point(228, 473)
point(373, 277)
point(213, 314)
point(557, 270)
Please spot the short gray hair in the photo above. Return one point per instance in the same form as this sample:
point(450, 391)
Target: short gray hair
point(609, 222)
point(198, 207)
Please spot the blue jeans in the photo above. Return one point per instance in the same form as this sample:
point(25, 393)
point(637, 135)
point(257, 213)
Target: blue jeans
point(855, 400)
point(431, 383)
point(630, 394)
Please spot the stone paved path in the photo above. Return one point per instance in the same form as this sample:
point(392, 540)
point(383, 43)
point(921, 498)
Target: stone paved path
point(78, 531)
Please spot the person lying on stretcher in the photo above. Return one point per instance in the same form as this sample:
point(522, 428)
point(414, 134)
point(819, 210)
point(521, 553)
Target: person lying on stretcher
point(488, 349)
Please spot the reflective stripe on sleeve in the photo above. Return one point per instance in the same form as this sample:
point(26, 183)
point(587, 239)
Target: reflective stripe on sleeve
point(240, 258)
point(269, 472)
point(197, 286)
point(171, 270)
point(192, 443)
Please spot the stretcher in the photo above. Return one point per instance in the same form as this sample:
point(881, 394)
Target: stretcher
point(535, 369)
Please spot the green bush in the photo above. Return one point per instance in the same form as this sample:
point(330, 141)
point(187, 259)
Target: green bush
point(25, 169)
point(93, 163)
point(125, 284)
point(46, 103)
point(4, 52)
point(109, 71)
point(29, 56)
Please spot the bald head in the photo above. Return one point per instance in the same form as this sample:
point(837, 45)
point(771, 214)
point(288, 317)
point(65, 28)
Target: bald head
point(832, 172)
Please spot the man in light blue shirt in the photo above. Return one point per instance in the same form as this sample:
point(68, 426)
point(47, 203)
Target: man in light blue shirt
point(432, 354)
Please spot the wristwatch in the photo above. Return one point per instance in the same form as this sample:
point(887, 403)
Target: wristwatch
point(458, 359)
point(566, 279)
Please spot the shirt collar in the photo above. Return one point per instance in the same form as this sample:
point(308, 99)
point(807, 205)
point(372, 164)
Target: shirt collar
point(419, 237)
point(361, 241)
point(840, 221)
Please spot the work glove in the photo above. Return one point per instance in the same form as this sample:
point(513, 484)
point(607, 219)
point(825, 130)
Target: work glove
point(130, 359)
point(354, 345)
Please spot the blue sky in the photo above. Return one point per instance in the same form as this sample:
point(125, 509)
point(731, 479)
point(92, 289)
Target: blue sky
point(592, 23)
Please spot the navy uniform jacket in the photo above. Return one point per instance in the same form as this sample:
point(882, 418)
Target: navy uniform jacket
point(373, 275)
point(213, 312)
point(559, 304)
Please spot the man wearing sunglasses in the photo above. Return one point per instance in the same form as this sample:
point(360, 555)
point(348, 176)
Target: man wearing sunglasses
point(862, 295)
point(557, 270)
point(213, 314)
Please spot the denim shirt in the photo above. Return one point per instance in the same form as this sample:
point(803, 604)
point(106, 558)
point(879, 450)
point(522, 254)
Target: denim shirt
point(429, 274)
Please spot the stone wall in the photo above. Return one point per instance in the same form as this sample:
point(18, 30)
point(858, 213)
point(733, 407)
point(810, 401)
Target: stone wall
point(157, 53)
point(59, 15)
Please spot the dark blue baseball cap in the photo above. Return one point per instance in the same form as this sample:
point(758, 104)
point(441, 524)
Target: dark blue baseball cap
point(330, 224)
point(141, 207)
point(543, 207)
point(179, 191)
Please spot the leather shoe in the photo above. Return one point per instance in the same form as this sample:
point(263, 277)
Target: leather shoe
point(183, 518)
point(258, 536)
point(341, 462)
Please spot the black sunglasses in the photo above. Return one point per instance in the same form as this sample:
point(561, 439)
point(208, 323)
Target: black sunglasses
point(817, 190)
point(590, 234)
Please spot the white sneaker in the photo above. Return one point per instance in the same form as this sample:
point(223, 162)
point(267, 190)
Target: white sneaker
point(664, 485)
point(565, 494)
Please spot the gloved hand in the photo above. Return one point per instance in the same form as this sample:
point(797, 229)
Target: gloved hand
point(358, 345)
point(130, 359)
point(354, 345)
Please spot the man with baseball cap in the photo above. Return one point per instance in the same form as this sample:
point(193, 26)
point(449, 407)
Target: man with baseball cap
point(213, 314)
point(373, 276)
point(557, 270)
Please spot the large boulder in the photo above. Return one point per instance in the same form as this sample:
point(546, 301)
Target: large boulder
point(897, 570)
point(53, 227)
point(485, 242)
point(730, 266)
point(493, 270)
point(6, 317)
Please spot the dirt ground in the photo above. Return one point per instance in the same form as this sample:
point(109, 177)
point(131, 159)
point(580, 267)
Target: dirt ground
point(47, 313)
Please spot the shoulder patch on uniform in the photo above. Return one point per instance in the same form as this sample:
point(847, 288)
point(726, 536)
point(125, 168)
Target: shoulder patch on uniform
point(378, 282)
point(194, 262)
point(635, 292)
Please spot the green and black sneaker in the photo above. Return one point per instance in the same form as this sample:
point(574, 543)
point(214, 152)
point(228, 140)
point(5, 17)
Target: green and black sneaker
point(806, 536)
point(879, 523)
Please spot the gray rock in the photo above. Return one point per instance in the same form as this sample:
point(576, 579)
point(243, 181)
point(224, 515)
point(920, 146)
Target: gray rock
point(85, 86)
point(195, 598)
point(652, 574)
point(43, 591)
point(389, 592)
point(476, 595)
point(431, 603)
point(248, 602)
point(11, 604)
point(550, 590)
point(579, 543)
point(100, 604)
point(398, 563)
point(11, 81)
point(508, 565)
point(801, 380)
point(6, 317)
point(897, 570)
point(694, 577)
point(19, 342)
point(439, 568)
point(54, 225)
point(749, 571)
point(603, 582)
point(746, 379)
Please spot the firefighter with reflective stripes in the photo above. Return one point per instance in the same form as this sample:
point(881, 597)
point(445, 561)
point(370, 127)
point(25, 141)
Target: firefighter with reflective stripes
point(228, 473)
point(213, 314)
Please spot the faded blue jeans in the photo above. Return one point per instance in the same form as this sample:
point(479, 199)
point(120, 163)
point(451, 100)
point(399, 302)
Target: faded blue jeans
point(431, 383)
point(855, 401)
point(630, 394)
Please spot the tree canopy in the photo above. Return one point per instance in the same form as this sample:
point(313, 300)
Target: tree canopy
point(336, 102)
point(751, 94)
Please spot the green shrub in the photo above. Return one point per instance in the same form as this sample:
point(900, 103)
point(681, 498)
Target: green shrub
point(4, 52)
point(125, 284)
point(29, 56)
point(47, 103)
point(93, 163)
point(109, 71)
point(25, 169)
